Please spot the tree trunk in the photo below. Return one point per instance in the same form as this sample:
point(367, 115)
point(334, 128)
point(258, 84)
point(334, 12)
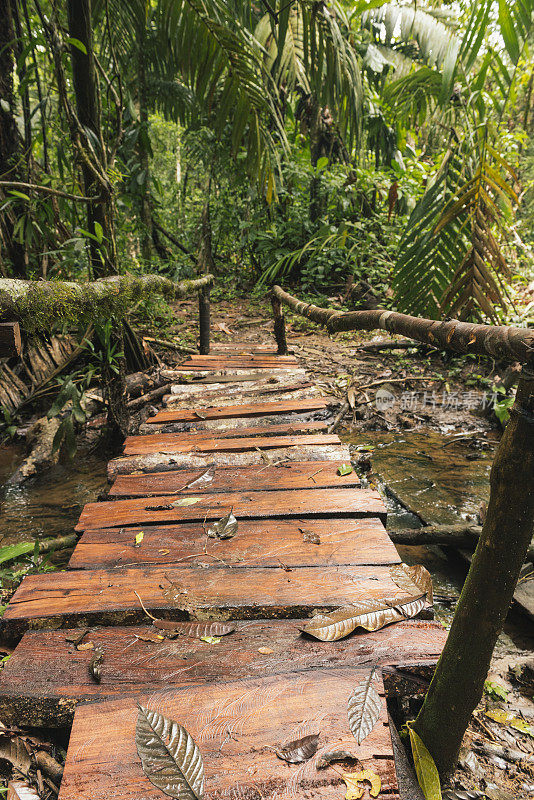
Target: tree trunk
point(11, 149)
point(100, 212)
point(458, 682)
point(142, 149)
point(115, 390)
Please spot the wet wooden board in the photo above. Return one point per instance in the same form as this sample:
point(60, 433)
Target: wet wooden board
point(226, 394)
point(273, 543)
point(160, 462)
point(106, 597)
point(236, 375)
point(47, 676)
point(233, 359)
point(294, 475)
point(252, 410)
point(170, 443)
point(150, 443)
point(246, 505)
point(232, 423)
point(236, 725)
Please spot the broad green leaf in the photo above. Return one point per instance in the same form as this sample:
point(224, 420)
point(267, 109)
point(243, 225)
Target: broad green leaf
point(508, 31)
point(99, 232)
point(425, 768)
point(16, 193)
point(77, 44)
point(344, 469)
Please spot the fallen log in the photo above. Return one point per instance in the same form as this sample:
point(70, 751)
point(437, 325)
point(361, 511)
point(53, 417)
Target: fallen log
point(506, 342)
point(14, 551)
point(458, 536)
point(41, 305)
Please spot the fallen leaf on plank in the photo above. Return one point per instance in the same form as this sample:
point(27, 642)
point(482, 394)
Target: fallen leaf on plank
point(299, 750)
point(371, 615)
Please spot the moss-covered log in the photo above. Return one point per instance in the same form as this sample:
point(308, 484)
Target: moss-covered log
point(506, 342)
point(40, 305)
point(458, 682)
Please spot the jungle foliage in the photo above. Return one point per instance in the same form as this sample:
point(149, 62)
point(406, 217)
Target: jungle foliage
point(374, 151)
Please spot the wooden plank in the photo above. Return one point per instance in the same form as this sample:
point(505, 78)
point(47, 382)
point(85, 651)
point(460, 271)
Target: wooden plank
point(47, 676)
point(274, 543)
point(165, 443)
point(246, 505)
point(292, 475)
point(251, 410)
point(106, 597)
point(155, 442)
point(160, 462)
point(232, 375)
point(240, 358)
point(236, 725)
point(226, 394)
point(232, 423)
point(10, 339)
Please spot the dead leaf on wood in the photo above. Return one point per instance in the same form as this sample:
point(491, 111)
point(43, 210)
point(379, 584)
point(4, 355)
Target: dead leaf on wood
point(86, 646)
point(299, 750)
point(170, 758)
point(310, 536)
point(185, 501)
point(353, 779)
point(335, 755)
point(265, 651)
point(369, 614)
point(415, 580)
point(194, 630)
point(95, 665)
point(203, 479)
point(225, 528)
point(364, 708)
point(223, 327)
point(76, 638)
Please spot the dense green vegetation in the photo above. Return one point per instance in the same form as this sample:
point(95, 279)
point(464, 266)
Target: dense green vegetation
point(376, 151)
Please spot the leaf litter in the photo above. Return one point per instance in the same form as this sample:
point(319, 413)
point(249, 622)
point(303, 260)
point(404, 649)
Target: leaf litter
point(170, 758)
point(299, 750)
point(225, 528)
point(370, 614)
point(415, 579)
point(364, 708)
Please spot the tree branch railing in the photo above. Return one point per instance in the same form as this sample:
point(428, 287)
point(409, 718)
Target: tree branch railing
point(458, 681)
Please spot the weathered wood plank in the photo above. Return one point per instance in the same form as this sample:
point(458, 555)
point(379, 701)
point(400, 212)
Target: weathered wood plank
point(233, 423)
point(226, 394)
point(250, 410)
point(167, 443)
point(10, 339)
point(236, 726)
point(232, 374)
point(156, 442)
point(160, 462)
point(47, 676)
point(106, 597)
point(274, 543)
point(246, 505)
point(293, 475)
point(237, 359)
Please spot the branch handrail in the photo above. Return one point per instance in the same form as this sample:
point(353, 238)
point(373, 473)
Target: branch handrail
point(503, 342)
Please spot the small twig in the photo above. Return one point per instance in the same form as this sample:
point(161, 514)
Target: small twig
point(34, 187)
point(311, 477)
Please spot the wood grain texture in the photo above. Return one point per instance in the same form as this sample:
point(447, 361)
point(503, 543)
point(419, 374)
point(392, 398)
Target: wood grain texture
point(272, 543)
point(246, 505)
point(238, 359)
point(159, 462)
point(106, 597)
point(47, 676)
point(293, 475)
point(156, 442)
point(167, 444)
point(236, 726)
point(250, 410)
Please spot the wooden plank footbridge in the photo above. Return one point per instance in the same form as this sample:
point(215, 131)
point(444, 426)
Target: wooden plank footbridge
point(309, 540)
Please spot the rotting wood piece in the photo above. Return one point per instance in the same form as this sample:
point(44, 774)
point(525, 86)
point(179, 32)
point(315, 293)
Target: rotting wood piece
point(10, 339)
point(167, 444)
point(236, 726)
point(47, 676)
point(345, 502)
point(106, 597)
point(160, 462)
point(232, 375)
point(251, 410)
point(292, 475)
point(274, 543)
point(155, 442)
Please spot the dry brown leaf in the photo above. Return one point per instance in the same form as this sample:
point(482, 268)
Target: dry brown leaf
point(299, 750)
point(371, 615)
point(415, 579)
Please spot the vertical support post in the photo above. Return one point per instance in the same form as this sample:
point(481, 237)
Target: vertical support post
point(458, 681)
point(204, 320)
point(279, 326)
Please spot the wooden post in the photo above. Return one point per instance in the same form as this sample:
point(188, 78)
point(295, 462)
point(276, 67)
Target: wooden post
point(458, 681)
point(10, 341)
point(279, 326)
point(204, 320)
